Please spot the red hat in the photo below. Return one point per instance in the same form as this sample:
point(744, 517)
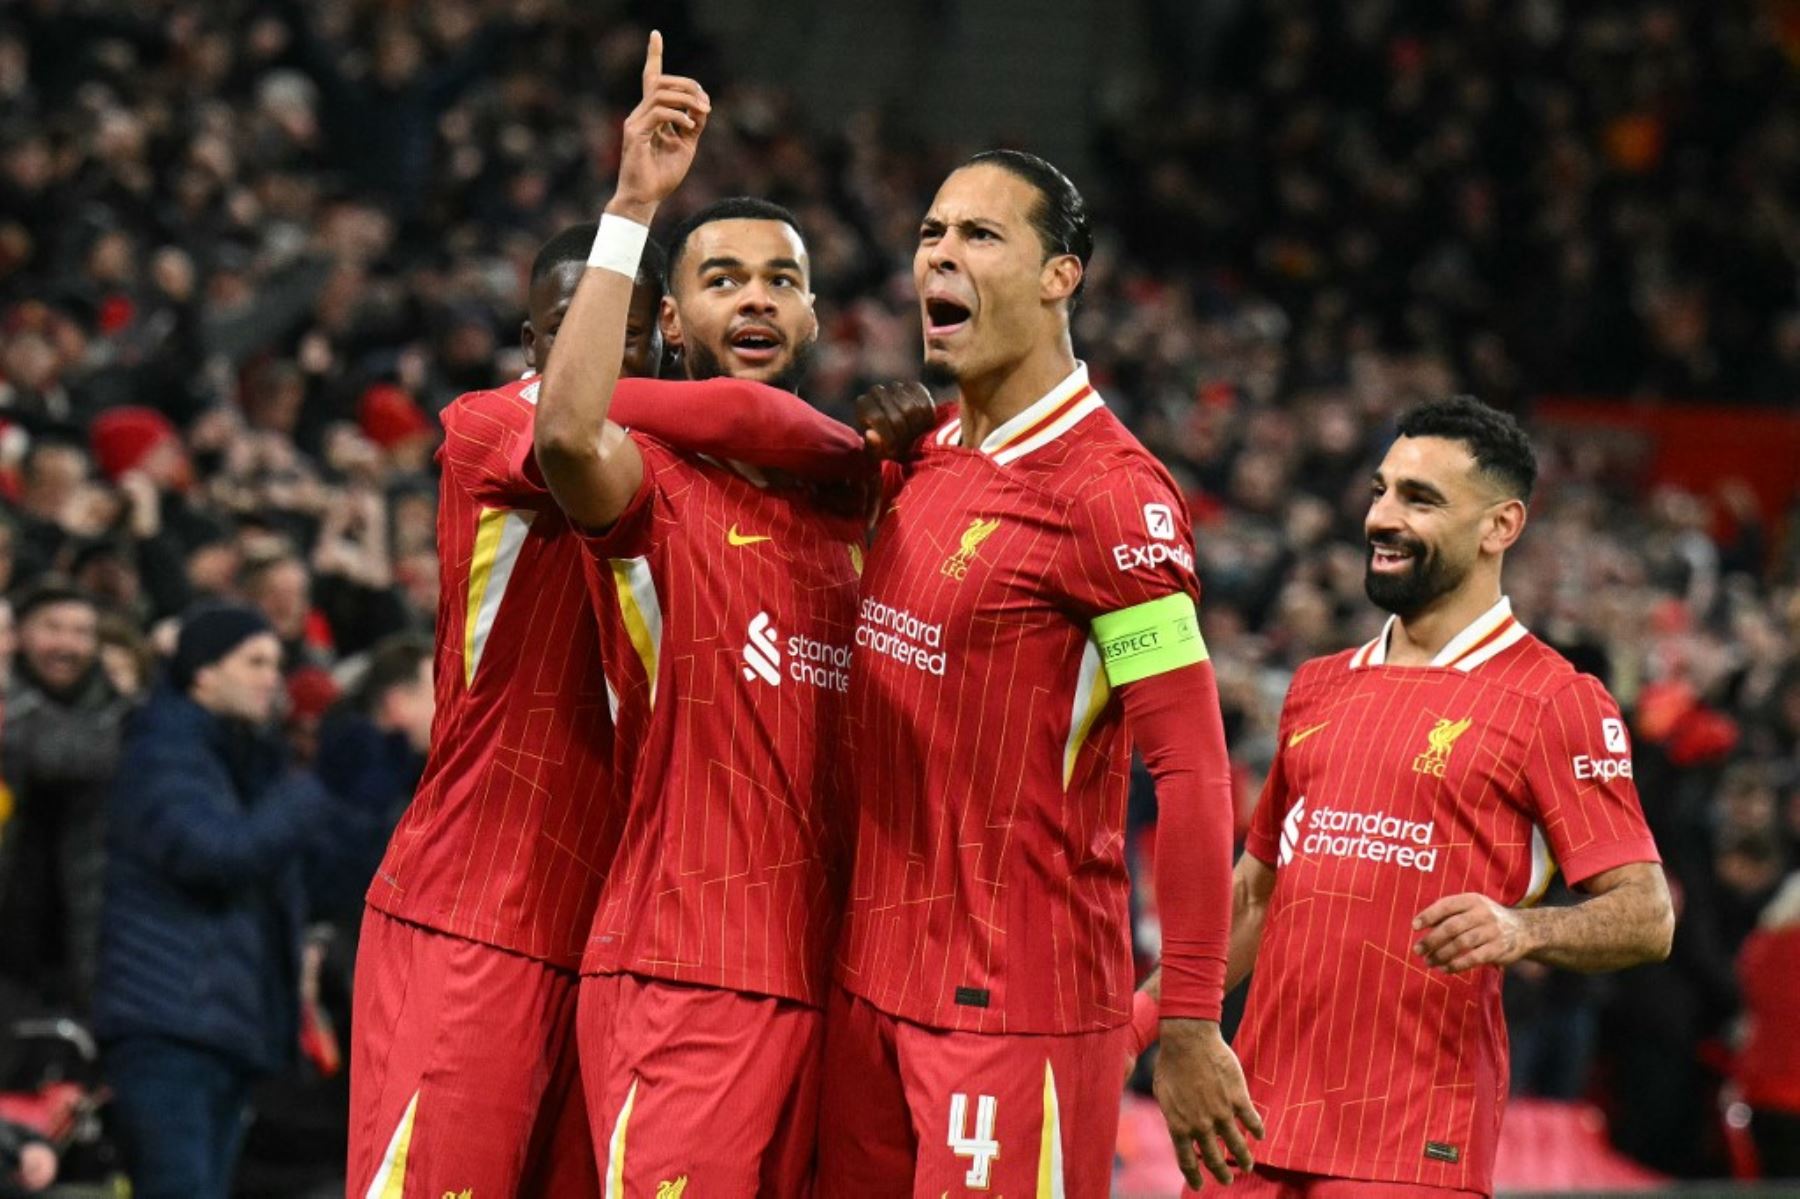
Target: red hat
point(311, 690)
point(388, 415)
point(123, 437)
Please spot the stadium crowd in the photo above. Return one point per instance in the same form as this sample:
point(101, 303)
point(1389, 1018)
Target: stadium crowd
point(249, 250)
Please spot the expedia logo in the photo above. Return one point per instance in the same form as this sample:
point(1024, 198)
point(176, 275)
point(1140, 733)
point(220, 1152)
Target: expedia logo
point(762, 656)
point(1149, 557)
point(1603, 770)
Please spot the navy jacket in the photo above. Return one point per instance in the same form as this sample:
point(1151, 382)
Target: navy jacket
point(205, 899)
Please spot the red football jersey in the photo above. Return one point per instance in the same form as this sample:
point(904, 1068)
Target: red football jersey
point(1392, 788)
point(725, 609)
point(991, 763)
point(513, 824)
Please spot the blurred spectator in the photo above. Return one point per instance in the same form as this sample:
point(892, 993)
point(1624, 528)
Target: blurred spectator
point(27, 1161)
point(279, 585)
point(207, 837)
point(371, 752)
point(59, 754)
point(1769, 1059)
point(127, 658)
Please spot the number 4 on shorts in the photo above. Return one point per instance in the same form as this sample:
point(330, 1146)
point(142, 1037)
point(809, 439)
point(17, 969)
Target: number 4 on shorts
point(979, 1147)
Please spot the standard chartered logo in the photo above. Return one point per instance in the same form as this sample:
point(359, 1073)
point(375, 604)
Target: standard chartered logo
point(762, 657)
point(902, 636)
point(1367, 836)
point(810, 661)
point(1290, 831)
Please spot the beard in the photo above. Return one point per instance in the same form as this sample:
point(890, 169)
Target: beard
point(701, 363)
point(938, 376)
point(1428, 577)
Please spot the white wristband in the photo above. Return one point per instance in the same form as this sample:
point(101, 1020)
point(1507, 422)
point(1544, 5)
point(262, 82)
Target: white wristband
point(618, 245)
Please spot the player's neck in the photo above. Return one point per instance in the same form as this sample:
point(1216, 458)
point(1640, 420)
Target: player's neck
point(990, 400)
point(1418, 639)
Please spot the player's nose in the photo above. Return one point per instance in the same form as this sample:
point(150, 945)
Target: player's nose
point(1383, 515)
point(943, 255)
point(755, 297)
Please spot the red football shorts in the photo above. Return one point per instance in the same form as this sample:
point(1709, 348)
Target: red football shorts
point(463, 1077)
point(1271, 1183)
point(695, 1085)
point(915, 1111)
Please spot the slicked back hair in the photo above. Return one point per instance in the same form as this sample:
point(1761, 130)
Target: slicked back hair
point(1061, 215)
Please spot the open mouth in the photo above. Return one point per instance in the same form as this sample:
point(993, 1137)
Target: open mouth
point(1389, 559)
point(755, 343)
point(944, 316)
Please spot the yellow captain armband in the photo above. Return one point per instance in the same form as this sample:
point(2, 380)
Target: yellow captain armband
point(1150, 638)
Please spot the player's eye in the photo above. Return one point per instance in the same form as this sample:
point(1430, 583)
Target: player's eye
point(784, 281)
point(721, 281)
point(930, 233)
point(979, 234)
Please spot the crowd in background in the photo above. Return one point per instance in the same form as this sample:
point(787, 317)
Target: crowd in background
point(250, 248)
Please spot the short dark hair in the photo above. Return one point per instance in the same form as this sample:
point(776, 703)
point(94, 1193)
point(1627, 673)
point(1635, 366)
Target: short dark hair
point(573, 245)
point(1061, 216)
point(48, 593)
point(393, 662)
point(1494, 438)
point(732, 208)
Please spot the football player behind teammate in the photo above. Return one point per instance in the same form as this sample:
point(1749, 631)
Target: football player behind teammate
point(463, 1073)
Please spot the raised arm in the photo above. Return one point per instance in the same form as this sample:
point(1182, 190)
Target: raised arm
point(590, 465)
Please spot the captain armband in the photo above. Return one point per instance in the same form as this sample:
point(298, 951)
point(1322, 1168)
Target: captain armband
point(1149, 639)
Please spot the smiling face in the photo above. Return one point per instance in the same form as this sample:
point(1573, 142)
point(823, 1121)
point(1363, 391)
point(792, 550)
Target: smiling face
point(1433, 517)
point(740, 303)
point(988, 292)
point(548, 302)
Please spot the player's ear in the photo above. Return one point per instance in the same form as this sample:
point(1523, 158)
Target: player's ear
point(1505, 521)
point(670, 321)
point(1061, 276)
point(812, 319)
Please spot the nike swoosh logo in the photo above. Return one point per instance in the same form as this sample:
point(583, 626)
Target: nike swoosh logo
point(736, 538)
point(1300, 735)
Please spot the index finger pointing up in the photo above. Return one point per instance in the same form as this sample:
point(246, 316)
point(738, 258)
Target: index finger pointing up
point(653, 60)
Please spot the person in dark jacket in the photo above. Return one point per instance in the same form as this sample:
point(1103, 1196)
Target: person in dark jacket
point(59, 752)
point(205, 903)
point(371, 752)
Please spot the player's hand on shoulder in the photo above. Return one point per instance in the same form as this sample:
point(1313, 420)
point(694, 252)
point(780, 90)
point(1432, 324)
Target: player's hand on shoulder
point(893, 416)
point(660, 137)
point(1201, 1089)
point(1461, 932)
